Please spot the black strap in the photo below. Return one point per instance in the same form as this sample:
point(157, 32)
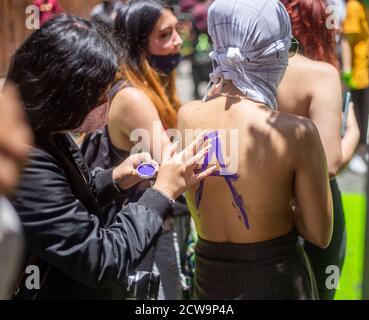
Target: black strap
point(116, 88)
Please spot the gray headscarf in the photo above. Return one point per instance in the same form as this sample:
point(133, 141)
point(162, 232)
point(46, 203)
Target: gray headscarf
point(251, 42)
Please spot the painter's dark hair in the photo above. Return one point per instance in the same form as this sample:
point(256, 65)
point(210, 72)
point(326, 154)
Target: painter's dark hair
point(62, 71)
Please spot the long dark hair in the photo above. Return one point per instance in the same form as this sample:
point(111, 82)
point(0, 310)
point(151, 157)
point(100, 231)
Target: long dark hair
point(133, 26)
point(61, 71)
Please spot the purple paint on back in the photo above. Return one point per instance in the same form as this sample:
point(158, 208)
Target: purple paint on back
point(216, 148)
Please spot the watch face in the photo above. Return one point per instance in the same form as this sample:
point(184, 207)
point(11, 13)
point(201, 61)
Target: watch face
point(146, 170)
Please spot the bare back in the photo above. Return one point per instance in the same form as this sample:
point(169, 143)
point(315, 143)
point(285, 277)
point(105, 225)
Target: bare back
point(269, 150)
point(297, 88)
point(313, 89)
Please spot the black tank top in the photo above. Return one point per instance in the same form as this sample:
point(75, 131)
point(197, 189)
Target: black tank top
point(97, 147)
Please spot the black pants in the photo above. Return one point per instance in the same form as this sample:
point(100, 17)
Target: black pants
point(273, 269)
point(361, 101)
point(334, 254)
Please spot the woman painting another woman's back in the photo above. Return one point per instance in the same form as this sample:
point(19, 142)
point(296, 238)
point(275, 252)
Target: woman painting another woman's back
point(247, 245)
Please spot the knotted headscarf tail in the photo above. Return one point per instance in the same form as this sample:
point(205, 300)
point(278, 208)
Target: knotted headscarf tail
point(251, 40)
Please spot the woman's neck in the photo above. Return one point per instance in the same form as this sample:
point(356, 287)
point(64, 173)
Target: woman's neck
point(229, 88)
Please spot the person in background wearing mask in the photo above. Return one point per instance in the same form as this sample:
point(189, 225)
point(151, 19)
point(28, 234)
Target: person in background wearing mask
point(15, 138)
point(356, 73)
point(48, 9)
point(144, 95)
point(83, 246)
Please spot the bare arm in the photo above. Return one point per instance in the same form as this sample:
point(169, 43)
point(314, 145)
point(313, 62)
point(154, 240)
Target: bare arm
point(131, 109)
point(351, 137)
point(346, 56)
point(326, 113)
point(313, 218)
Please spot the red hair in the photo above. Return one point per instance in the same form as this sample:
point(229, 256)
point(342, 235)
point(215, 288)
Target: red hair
point(308, 19)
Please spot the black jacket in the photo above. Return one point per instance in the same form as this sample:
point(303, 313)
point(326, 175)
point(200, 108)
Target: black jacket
point(83, 245)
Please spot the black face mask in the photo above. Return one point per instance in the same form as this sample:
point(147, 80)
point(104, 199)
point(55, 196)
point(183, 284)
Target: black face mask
point(165, 64)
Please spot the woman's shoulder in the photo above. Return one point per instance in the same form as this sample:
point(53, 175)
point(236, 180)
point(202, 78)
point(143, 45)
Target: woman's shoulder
point(131, 92)
point(43, 164)
point(318, 76)
point(189, 107)
point(325, 69)
point(292, 127)
point(41, 174)
point(314, 68)
point(46, 156)
point(323, 82)
point(188, 110)
point(130, 98)
point(131, 109)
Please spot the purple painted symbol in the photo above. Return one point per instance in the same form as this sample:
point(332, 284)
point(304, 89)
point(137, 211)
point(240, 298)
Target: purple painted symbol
point(224, 173)
point(146, 170)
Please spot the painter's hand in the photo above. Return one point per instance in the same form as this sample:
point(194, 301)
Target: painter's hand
point(176, 174)
point(125, 175)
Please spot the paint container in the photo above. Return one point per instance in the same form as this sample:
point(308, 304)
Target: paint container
point(146, 170)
